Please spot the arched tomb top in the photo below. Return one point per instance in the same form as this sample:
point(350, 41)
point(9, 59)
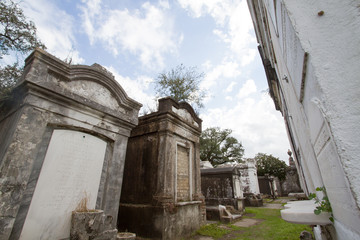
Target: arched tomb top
point(92, 85)
point(182, 109)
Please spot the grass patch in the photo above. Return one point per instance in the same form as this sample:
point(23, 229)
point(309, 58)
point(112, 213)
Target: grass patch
point(236, 228)
point(213, 230)
point(273, 228)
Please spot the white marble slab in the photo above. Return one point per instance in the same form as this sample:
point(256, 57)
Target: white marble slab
point(302, 212)
point(71, 170)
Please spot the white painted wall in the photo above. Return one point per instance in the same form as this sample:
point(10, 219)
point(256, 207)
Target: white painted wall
point(333, 41)
point(326, 124)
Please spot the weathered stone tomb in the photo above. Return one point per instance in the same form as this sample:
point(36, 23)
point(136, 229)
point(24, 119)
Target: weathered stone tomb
point(222, 186)
point(249, 185)
point(248, 176)
point(63, 139)
point(161, 195)
point(267, 186)
point(291, 184)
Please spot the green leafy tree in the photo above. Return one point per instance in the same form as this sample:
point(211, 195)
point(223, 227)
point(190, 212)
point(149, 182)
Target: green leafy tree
point(182, 84)
point(268, 164)
point(17, 35)
point(8, 76)
point(218, 147)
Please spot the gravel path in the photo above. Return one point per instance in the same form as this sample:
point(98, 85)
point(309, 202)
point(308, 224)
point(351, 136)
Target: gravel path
point(273, 205)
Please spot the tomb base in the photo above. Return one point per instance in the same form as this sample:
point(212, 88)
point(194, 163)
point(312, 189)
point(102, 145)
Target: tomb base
point(169, 221)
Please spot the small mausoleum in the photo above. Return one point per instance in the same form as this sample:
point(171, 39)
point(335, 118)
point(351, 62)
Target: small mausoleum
point(249, 184)
point(222, 186)
point(161, 195)
point(267, 185)
point(64, 133)
point(291, 184)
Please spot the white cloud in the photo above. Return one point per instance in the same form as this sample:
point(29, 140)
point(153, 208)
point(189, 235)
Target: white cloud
point(58, 36)
point(251, 114)
point(248, 88)
point(231, 86)
point(164, 4)
point(218, 9)
point(234, 25)
point(227, 69)
point(240, 33)
point(246, 118)
point(93, 8)
point(148, 32)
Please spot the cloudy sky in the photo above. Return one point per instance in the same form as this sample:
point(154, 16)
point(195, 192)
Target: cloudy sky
point(136, 40)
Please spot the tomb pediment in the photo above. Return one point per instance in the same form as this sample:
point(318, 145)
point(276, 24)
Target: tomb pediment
point(185, 114)
point(94, 91)
point(90, 85)
point(182, 110)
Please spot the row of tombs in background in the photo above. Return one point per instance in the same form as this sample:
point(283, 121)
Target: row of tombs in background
point(66, 132)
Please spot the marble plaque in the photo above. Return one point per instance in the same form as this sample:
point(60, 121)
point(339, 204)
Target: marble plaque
point(71, 171)
point(182, 180)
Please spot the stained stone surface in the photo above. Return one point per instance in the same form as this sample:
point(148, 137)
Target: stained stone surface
point(92, 225)
point(183, 181)
point(161, 195)
point(53, 97)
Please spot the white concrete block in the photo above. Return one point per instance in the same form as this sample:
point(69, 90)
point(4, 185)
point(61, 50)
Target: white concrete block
point(302, 212)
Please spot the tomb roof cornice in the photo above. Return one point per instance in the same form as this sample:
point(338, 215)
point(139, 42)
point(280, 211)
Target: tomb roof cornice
point(69, 73)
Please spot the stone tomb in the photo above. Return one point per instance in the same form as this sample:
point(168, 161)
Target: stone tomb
point(249, 184)
point(291, 184)
point(249, 180)
point(222, 186)
point(161, 195)
point(63, 137)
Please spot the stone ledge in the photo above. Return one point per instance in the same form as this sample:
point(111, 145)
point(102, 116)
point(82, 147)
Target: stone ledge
point(299, 195)
point(302, 212)
point(126, 235)
point(187, 203)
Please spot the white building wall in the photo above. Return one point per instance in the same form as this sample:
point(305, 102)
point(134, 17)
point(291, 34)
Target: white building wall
point(320, 93)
